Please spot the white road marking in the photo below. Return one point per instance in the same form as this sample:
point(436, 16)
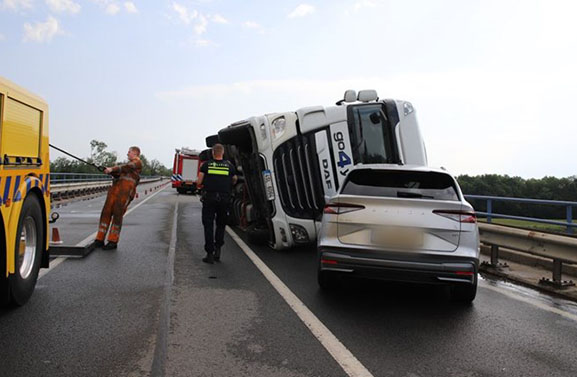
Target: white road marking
point(528, 300)
point(54, 263)
point(350, 364)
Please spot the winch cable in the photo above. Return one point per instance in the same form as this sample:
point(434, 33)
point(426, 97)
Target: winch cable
point(100, 168)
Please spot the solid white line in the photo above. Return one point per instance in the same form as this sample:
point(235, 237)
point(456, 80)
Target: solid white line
point(54, 263)
point(529, 301)
point(93, 235)
point(350, 364)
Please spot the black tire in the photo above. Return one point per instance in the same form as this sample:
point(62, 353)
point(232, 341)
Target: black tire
point(327, 280)
point(464, 293)
point(180, 190)
point(30, 227)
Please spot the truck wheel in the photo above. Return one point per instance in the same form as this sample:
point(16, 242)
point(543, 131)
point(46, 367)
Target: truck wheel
point(28, 251)
point(180, 190)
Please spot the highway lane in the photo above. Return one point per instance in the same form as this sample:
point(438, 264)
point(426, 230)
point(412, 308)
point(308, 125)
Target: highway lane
point(142, 309)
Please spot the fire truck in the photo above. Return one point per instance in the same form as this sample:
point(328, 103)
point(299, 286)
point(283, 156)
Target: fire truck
point(292, 162)
point(185, 170)
point(24, 192)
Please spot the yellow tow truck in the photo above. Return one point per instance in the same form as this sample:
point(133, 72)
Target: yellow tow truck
point(24, 192)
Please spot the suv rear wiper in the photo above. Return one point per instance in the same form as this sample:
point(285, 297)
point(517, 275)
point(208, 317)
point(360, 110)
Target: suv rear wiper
point(405, 194)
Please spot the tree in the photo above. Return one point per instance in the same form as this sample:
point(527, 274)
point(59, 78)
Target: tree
point(100, 156)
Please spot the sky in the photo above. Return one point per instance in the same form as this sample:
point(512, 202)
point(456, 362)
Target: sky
point(494, 83)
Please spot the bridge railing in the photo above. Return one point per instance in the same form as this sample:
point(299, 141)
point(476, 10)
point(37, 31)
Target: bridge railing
point(58, 178)
point(489, 214)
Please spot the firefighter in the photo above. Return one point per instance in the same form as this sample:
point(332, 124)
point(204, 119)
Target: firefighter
point(217, 176)
point(120, 194)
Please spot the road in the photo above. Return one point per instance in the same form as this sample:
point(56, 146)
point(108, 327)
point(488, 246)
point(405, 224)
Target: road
point(153, 308)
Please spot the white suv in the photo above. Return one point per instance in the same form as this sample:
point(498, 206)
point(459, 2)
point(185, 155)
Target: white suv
point(400, 223)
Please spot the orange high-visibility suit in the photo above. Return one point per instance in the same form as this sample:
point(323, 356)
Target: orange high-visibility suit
point(120, 194)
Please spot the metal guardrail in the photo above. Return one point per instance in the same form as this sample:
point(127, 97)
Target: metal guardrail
point(560, 249)
point(74, 189)
point(57, 178)
point(568, 224)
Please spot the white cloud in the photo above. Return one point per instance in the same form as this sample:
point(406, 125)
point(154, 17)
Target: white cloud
point(302, 10)
point(367, 4)
point(17, 4)
point(63, 6)
point(200, 27)
point(218, 19)
point(202, 42)
point(184, 14)
point(42, 32)
point(252, 25)
point(112, 8)
point(130, 7)
point(2, 37)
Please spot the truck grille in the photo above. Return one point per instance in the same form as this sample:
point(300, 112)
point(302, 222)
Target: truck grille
point(298, 177)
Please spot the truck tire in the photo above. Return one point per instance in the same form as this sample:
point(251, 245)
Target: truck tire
point(180, 190)
point(28, 250)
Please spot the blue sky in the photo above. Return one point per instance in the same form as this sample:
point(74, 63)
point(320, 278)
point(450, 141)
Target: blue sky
point(493, 82)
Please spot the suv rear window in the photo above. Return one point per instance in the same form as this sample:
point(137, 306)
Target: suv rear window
point(401, 184)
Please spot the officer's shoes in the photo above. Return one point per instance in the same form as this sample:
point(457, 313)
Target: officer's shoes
point(217, 254)
point(208, 259)
point(98, 243)
point(110, 246)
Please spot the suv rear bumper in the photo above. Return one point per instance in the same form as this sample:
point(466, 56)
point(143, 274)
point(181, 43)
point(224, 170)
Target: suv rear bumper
point(401, 267)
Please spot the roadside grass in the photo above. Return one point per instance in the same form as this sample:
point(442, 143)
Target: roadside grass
point(530, 225)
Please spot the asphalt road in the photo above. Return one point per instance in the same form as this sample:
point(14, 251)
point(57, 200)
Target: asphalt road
point(153, 308)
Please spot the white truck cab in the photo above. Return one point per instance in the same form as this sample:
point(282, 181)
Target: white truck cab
point(294, 161)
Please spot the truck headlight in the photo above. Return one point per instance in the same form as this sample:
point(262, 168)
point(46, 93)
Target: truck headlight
point(407, 108)
point(299, 233)
point(278, 128)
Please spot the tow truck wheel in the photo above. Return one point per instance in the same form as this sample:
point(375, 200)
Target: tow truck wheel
point(27, 251)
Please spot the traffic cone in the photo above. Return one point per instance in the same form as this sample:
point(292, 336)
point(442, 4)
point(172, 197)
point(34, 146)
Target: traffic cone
point(56, 236)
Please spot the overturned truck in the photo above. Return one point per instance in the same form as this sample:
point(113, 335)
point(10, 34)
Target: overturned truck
point(291, 163)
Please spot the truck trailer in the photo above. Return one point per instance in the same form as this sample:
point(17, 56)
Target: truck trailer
point(293, 162)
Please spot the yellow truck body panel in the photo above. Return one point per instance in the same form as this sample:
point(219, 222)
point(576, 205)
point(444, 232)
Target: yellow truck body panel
point(24, 164)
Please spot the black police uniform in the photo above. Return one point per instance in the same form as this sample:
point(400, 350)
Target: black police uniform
point(217, 186)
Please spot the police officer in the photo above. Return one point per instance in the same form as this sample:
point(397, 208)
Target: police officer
point(217, 176)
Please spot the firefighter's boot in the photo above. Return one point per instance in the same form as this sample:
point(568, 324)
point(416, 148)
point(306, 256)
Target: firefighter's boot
point(110, 246)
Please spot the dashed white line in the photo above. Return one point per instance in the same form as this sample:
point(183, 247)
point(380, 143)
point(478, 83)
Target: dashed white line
point(350, 364)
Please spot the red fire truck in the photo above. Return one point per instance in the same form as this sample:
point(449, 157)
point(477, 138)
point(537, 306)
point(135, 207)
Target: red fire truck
point(185, 170)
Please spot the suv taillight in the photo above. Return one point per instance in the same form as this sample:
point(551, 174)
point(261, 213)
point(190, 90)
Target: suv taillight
point(460, 216)
point(340, 208)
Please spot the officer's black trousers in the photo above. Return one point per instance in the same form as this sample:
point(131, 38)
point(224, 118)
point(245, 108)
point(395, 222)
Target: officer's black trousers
point(214, 207)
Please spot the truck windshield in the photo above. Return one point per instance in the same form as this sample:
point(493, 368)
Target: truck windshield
point(371, 135)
